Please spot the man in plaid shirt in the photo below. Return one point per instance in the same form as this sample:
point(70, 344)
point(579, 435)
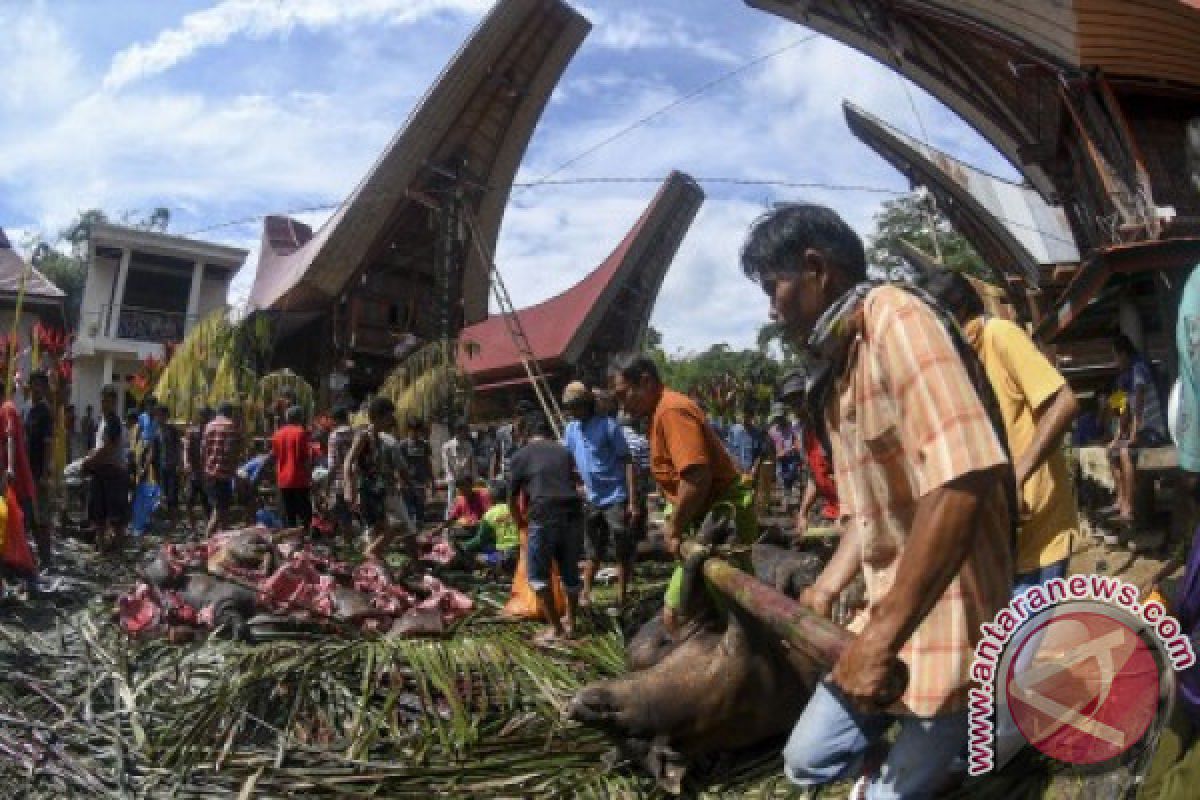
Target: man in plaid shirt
point(924, 481)
point(219, 450)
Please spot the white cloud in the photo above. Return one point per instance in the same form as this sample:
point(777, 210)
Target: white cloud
point(218, 155)
point(259, 19)
point(642, 30)
point(39, 65)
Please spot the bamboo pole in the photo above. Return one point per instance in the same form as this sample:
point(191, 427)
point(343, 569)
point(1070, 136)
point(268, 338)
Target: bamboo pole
point(800, 627)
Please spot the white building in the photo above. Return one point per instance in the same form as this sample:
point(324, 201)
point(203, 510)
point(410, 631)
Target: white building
point(144, 289)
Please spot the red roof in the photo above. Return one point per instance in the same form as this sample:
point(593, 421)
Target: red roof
point(558, 328)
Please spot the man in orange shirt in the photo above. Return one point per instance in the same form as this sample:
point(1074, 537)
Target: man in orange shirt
point(690, 464)
point(292, 453)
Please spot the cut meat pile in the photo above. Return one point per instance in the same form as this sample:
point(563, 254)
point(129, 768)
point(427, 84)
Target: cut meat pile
point(241, 581)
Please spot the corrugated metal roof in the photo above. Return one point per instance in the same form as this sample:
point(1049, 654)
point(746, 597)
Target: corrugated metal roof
point(12, 267)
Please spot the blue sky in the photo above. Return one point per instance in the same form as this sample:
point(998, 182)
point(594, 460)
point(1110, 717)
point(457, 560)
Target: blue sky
point(231, 109)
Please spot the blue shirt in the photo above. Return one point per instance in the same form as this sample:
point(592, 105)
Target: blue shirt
point(147, 427)
point(600, 452)
point(743, 445)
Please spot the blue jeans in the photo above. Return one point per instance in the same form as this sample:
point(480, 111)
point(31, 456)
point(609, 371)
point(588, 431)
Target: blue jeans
point(831, 740)
point(555, 541)
point(1025, 581)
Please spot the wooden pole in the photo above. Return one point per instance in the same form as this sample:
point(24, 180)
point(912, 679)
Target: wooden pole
point(800, 627)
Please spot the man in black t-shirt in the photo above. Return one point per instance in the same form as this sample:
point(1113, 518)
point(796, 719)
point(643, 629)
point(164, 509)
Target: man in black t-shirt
point(107, 463)
point(544, 470)
point(39, 432)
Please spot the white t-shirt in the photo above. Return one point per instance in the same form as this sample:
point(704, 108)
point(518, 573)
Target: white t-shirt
point(458, 458)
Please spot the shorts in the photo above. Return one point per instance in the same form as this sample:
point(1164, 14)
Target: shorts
point(297, 507)
point(502, 559)
point(639, 529)
point(555, 540)
point(168, 484)
point(1145, 439)
point(604, 524)
point(108, 498)
point(385, 508)
point(220, 494)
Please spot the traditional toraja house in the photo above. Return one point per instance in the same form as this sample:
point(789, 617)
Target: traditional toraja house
point(573, 334)
point(42, 302)
point(1023, 239)
point(1026, 241)
point(1089, 99)
point(405, 258)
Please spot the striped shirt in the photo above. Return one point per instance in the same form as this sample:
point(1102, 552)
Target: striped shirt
point(905, 420)
point(219, 449)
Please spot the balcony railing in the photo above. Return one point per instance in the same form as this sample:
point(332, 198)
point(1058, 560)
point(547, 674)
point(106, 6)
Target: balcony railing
point(149, 325)
point(139, 324)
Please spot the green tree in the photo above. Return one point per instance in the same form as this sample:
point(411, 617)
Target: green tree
point(772, 333)
point(907, 218)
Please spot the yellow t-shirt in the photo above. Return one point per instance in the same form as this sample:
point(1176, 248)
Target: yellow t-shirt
point(1024, 380)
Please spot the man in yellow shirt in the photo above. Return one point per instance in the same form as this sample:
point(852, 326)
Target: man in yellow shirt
point(1038, 407)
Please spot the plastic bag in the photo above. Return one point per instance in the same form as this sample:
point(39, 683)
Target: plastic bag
point(522, 603)
point(16, 553)
point(145, 502)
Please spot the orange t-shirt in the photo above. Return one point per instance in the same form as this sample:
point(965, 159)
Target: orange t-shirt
point(680, 437)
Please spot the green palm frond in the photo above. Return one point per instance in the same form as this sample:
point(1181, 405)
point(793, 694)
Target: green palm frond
point(425, 382)
point(218, 360)
point(271, 384)
point(185, 382)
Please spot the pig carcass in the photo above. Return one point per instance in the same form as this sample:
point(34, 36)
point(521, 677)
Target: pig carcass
point(723, 683)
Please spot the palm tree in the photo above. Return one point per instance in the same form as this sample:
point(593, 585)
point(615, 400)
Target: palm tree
point(428, 381)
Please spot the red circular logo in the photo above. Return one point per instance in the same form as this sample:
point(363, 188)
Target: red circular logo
point(1083, 687)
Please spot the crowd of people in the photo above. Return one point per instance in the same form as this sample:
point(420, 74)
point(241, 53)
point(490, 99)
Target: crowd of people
point(927, 434)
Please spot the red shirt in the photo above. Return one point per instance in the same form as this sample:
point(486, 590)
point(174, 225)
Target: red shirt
point(292, 452)
point(11, 426)
point(469, 508)
point(822, 473)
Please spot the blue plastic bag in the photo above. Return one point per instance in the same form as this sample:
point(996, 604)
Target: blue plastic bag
point(146, 498)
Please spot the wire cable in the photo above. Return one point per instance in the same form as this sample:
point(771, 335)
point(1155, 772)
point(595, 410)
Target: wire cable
point(699, 90)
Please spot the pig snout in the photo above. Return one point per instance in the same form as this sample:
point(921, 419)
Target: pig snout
point(596, 705)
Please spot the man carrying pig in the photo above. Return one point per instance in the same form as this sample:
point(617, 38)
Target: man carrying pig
point(922, 476)
point(689, 462)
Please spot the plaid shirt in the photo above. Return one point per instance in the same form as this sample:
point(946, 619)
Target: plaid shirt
point(219, 449)
point(904, 419)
